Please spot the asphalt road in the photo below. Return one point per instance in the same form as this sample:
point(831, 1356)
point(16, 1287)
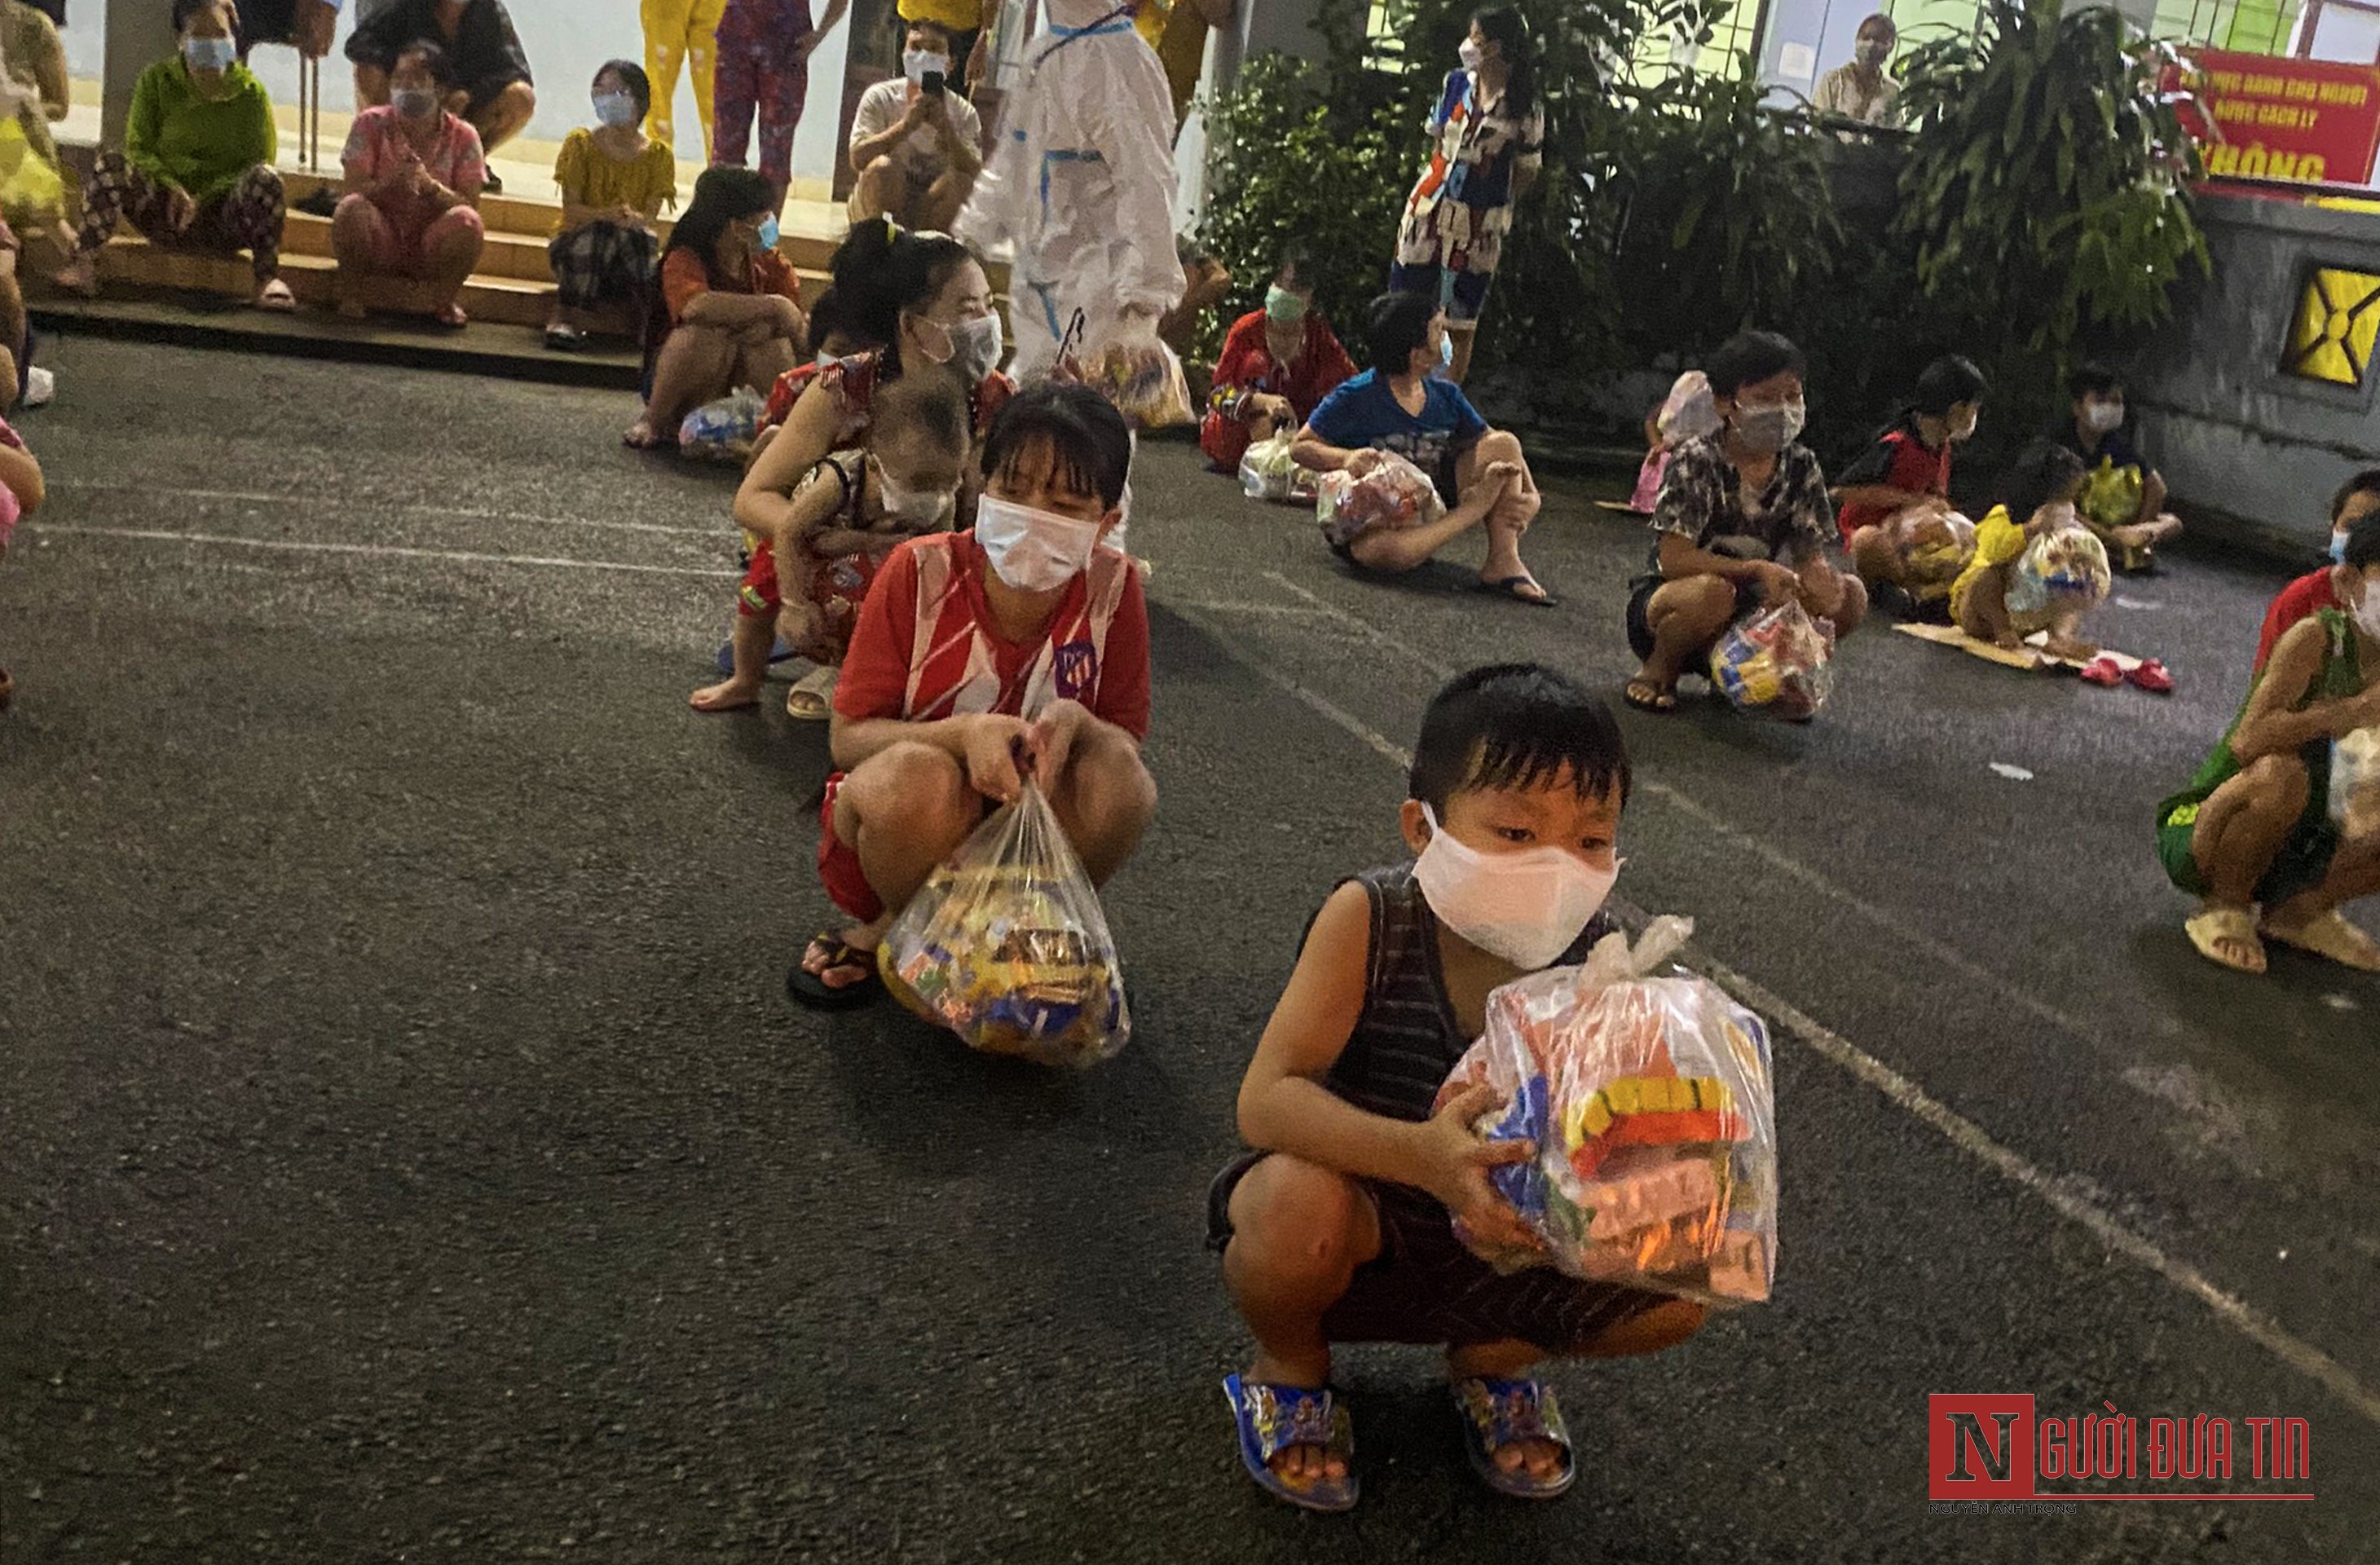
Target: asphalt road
point(407, 1152)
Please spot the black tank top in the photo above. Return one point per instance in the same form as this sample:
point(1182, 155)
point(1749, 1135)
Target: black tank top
point(1406, 1042)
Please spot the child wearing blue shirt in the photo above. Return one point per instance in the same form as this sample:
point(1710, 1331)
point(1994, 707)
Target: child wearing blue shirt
point(1402, 407)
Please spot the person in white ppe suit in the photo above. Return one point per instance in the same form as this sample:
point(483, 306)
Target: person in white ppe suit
point(1081, 182)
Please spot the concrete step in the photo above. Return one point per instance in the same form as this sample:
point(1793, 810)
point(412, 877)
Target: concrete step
point(134, 262)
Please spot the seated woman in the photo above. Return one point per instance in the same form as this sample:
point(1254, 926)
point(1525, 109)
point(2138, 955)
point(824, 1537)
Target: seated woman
point(731, 304)
point(1742, 521)
point(1277, 365)
point(2255, 836)
point(614, 181)
point(927, 299)
point(414, 177)
point(1399, 408)
point(196, 171)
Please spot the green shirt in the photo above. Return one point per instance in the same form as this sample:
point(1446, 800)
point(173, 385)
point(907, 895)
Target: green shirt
point(203, 145)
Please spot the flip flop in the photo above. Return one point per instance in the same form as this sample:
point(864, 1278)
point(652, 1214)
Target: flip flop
point(2103, 671)
point(1496, 1413)
point(818, 686)
point(562, 337)
point(2333, 937)
point(450, 319)
point(1643, 695)
point(2151, 675)
point(812, 991)
point(1514, 587)
point(1274, 1418)
point(2211, 926)
point(640, 437)
point(275, 303)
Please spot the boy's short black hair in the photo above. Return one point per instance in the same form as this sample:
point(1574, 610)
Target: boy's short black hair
point(2093, 379)
point(2362, 550)
point(1948, 381)
point(1395, 327)
point(1516, 725)
point(1749, 357)
point(2042, 471)
point(2365, 482)
point(1088, 439)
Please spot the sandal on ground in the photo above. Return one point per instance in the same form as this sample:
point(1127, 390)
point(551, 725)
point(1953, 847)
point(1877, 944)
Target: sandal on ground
point(2330, 936)
point(640, 436)
point(2151, 675)
point(1497, 1413)
point(562, 337)
point(1274, 1418)
point(2213, 928)
point(811, 990)
point(1647, 696)
point(812, 698)
point(452, 318)
point(2103, 671)
point(2138, 559)
point(1521, 590)
point(275, 299)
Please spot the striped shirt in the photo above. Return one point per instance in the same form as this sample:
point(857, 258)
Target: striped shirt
point(1406, 1042)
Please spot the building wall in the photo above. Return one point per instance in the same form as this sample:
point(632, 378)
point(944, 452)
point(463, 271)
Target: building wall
point(2230, 430)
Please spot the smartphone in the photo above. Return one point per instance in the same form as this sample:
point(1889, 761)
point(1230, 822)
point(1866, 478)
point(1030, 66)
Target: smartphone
point(931, 84)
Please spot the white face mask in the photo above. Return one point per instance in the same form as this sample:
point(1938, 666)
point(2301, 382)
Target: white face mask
point(2103, 415)
point(1771, 427)
point(1527, 907)
point(921, 507)
point(2367, 614)
point(976, 344)
point(1033, 551)
point(915, 63)
point(1471, 53)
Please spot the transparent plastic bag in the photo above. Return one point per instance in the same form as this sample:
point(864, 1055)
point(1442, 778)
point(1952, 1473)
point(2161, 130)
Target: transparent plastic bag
point(1934, 548)
point(1007, 945)
point(1136, 370)
point(1267, 472)
point(1776, 662)
point(1395, 495)
point(724, 429)
point(2065, 568)
point(2355, 783)
point(30, 187)
point(1689, 412)
point(1649, 1100)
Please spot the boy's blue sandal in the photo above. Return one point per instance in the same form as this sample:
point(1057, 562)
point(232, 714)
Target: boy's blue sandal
point(1498, 1413)
point(1274, 1418)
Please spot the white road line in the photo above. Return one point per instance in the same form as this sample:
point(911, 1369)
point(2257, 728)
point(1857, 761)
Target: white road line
point(1956, 1128)
point(723, 533)
point(384, 550)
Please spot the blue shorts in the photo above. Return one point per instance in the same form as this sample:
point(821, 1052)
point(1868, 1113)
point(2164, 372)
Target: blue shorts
point(1462, 295)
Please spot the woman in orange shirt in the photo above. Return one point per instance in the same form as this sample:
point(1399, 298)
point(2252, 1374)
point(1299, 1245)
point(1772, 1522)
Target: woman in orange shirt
point(731, 303)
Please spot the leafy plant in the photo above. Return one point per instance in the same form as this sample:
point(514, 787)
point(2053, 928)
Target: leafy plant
point(2044, 202)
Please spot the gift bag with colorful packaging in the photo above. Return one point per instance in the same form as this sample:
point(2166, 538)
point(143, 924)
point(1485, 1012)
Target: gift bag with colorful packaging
point(1776, 662)
point(1007, 946)
point(1394, 494)
point(1649, 1100)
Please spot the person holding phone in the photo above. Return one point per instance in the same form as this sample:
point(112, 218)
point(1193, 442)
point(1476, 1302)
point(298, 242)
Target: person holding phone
point(916, 145)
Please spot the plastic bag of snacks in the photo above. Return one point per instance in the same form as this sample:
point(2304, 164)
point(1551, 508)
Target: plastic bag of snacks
point(1007, 946)
point(1136, 370)
point(724, 429)
point(1395, 495)
point(2355, 783)
point(2066, 566)
point(1267, 471)
point(1650, 1103)
point(1776, 662)
point(1934, 549)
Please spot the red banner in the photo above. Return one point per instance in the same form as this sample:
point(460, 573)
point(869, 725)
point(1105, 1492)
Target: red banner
point(2280, 121)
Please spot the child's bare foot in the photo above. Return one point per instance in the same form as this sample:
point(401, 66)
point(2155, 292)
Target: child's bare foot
point(80, 275)
point(1299, 1464)
point(727, 695)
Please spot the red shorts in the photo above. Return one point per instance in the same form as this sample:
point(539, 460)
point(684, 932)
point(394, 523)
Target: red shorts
point(847, 883)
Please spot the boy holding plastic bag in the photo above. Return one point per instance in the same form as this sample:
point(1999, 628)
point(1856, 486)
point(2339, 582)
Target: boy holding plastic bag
point(1339, 1228)
point(1017, 650)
